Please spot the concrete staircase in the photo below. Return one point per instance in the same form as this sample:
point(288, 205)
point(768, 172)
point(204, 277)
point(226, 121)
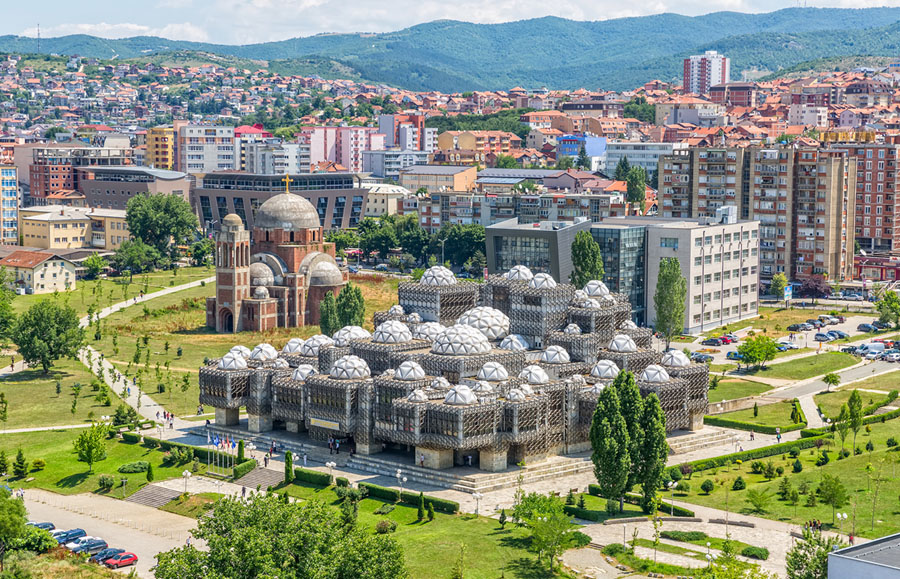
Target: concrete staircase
point(262, 477)
point(691, 442)
point(286, 441)
point(153, 496)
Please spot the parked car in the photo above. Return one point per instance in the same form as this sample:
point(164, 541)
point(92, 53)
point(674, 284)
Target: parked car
point(75, 543)
point(849, 349)
point(788, 345)
point(837, 334)
point(105, 554)
point(795, 328)
point(891, 357)
point(840, 319)
point(353, 269)
point(733, 337)
point(881, 325)
point(381, 267)
point(123, 559)
point(853, 298)
point(702, 358)
point(712, 342)
point(45, 526)
point(804, 327)
point(91, 547)
point(64, 536)
point(815, 322)
point(822, 337)
point(868, 328)
point(464, 275)
point(734, 356)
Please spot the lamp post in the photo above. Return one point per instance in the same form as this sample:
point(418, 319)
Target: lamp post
point(402, 482)
point(331, 466)
point(841, 517)
point(186, 475)
point(708, 554)
point(124, 482)
point(477, 497)
point(672, 486)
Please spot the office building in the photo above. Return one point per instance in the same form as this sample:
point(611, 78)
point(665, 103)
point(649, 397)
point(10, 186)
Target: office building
point(701, 72)
point(544, 247)
point(160, 147)
point(338, 198)
point(206, 149)
point(623, 248)
point(55, 168)
point(645, 155)
point(112, 187)
point(276, 158)
point(59, 227)
point(388, 163)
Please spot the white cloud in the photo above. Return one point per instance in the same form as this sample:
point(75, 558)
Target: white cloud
point(179, 31)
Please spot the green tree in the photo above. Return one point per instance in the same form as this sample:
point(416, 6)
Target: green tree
point(610, 443)
point(161, 221)
point(90, 444)
point(653, 451)
point(564, 163)
point(202, 251)
point(20, 465)
point(759, 500)
point(552, 533)
point(587, 262)
point(46, 332)
point(263, 536)
point(832, 492)
point(808, 558)
point(12, 521)
point(832, 379)
point(622, 169)
point(632, 407)
point(776, 287)
point(855, 406)
point(240, 451)
point(708, 486)
point(136, 256)
point(889, 308)
point(583, 161)
point(288, 467)
point(329, 322)
point(420, 511)
point(351, 306)
point(93, 265)
point(342, 239)
point(505, 162)
point(637, 186)
point(842, 424)
point(638, 108)
point(757, 350)
point(671, 291)
point(149, 472)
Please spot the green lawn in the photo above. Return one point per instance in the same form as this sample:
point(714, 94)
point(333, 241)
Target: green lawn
point(850, 471)
point(722, 367)
point(774, 415)
point(64, 474)
point(773, 322)
point(192, 506)
point(830, 402)
point(886, 382)
point(731, 388)
point(808, 367)
point(33, 400)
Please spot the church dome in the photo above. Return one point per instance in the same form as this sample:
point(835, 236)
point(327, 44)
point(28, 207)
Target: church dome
point(260, 293)
point(325, 273)
point(261, 274)
point(232, 220)
point(288, 212)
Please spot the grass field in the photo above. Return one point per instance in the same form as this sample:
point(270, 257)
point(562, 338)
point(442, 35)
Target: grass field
point(772, 321)
point(57, 564)
point(775, 415)
point(803, 368)
point(192, 506)
point(884, 382)
point(731, 388)
point(850, 471)
point(831, 402)
point(33, 400)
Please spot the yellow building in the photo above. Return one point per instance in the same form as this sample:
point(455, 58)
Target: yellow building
point(161, 147)
point(384, 199)
point(61, 227)
point(39, 272)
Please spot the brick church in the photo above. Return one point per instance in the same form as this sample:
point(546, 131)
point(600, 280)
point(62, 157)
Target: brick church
point(277, 277)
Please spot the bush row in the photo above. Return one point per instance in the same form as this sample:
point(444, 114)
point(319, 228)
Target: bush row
point(131, 437)
point(635, 499)
point(586, 514)
point(814, 432)
point(243, 468)
point(872, 408)
point(204, 454)
point(757, 453)
point(314, 477)
point(762, 429)
point(409, 498)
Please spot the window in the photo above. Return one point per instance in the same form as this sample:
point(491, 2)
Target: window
point(697, 260)
point(668, 242)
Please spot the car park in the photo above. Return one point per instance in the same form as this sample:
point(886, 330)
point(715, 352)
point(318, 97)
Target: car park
point(123, 559)
point(64, 536)
point(733, 337)
point(712, 342)
point(105, 554)
point(804, 327)
point(75, 543)
point(91, 547)
point(700, 357)
point(45, 526)
point(867, 328)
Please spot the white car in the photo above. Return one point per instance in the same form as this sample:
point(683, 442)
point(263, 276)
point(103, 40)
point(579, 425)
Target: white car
point(892, 357)
point(79, 541)
point(873, 355)
point(789, 345)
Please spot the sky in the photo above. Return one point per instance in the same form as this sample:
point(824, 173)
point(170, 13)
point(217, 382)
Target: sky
point(252, 21)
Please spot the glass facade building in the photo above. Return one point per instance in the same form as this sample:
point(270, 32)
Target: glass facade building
point(532, 252)
point(623, 249)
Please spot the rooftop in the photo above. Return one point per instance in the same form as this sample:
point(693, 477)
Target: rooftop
point(540, 226)
point(520, 173)
point(66, 213)
point(884, 552)
point(163, 174)
point(27, 259)
point(434, 170)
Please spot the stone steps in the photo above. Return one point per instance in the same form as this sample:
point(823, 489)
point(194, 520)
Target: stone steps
point(692, 442)
point(262, 477)
point(153, 496)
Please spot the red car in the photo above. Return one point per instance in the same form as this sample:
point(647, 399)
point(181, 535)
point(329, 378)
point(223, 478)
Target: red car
point(121, 560)
point(726, 339)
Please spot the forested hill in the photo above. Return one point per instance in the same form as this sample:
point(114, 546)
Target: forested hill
point(615, 54)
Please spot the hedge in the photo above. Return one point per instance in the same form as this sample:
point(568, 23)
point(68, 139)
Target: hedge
point(635, 499)
point(342, 482)
point(756, 453)
point(206, 454)
point(409, 498)
point(380, 492)
point(762, 429)
point(586, 514)
point(813, 432)
point(314, 477)
point(243, 468)
point(131, 437)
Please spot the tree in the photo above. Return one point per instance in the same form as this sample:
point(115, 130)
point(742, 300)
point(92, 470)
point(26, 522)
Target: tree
point(12, 521)
point(653, 451)
point(708, 486)
point(759, 500)
point(564, 163)
point(808, 558)
point(552, 533)
point(815, 286)
point(20, 465)
point(420, 511)
point(832, 379)
point(266, 537)
point(832, 492)
point(149, 472)
point(889, 308)
point(202, 251)
point(90, 444)
point(610, 443)
point(757, 350)
point(776, 287)
point(46, 332)
point(351, 306)
point(458, 567)
point(587, 262)
point(671, 290)
point(160, 220)
point(632, 408)
point(329, 322)
point(136, 256)
point(842, 424)
point(475, 265)
point(342, 239)
point(505, 162)
point(636, 192)
point(583, 161)
point(240, 451)
point(502, 519)
point(622, 168)
point(93, 265)
point(288, 467)
point(855, 406)
point(638, 108)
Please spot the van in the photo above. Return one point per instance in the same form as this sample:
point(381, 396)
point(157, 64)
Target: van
point(872, 350)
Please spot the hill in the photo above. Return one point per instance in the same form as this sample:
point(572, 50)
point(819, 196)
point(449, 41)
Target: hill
point(618, 54)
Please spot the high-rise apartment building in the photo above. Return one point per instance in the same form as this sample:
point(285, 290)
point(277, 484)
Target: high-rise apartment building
point(703, 71)
point(205, 149)
point(54, 168)
point(406, 131)
point(9, 199)
point(342, 145)
point(276, 158)
point(160, 147)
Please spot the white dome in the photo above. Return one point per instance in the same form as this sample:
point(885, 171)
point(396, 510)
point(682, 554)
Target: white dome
point(579, 296)
point(494, 324)
point(302, 372)
point(572, 329)
point(242, 351)
point(622, 343)
point(438, 275)
point(417, 395)
point(232, 362)
point(461, 340)
point(312, 345)
point(590, 304)
point(607, 300)
point(414, 318)
point(482, 388)
point(392, 332)
point(281, 363)
point(493, 371)
point(350, 368)
point(260, 293)
point(627, 325)
point(264, 353)
point(597, 388)
point(519, 273)
point(596, 288)
point(675, 359)
point(655, 374)
point(514, 343)
point(343, 336)
point(410, 370)
point(605, 370)
point(389, 372)
point(555, 355)
point(542, 281)
point(261, 274)
point(576, 380)
point(396, 310)
point(440, 383)
point(293, 346)
point(428, 331)
point(460, 395)
point(534, 375)
point(515, 395)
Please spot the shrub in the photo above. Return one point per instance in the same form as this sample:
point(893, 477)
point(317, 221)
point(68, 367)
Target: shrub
point(891, 442)
point(739, 484)
point(675, 474)
point(823, 458)
point(798, 466)
point(379, 492)
point(708, 486)
point(34, 540)
point(752, 552)
point(385, 526)
point(613, 549)
point(794, 453)
point(684, 486)
point(430, 511)
point(870, 446)
point(131, 437)
point(314, 477)
point(242, 468)
point(132, 467)
point(342, 481)
point(757, 467)
point(106, 482)
point(687, 469)
point(779, 471)
point(684, 536)
point(38, 464)
point(384, 509)
point(612, 506)
point(149, 473)
point(811, 500)
point(857, 451)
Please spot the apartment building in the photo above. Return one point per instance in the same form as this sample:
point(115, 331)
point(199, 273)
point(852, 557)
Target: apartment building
point(435, 178)
point(808, 115)
point(735, 94)
point(244, 136)
point(406, 131)
point(274, 157)
point(38, 272)
point(62, 227)
point(9, 204)
point(596, 108)
point(639, 154)
point(485, 142)
point(113, 187)
point(704, 71)
point(342, 145)
point(160, 147)
point(205, 149)
point(54, 168)
point(384, 199)
point(388, 163)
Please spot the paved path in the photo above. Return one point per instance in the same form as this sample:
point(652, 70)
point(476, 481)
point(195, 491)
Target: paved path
point(44, 428)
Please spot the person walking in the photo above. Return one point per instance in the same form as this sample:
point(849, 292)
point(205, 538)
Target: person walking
point(304, 459)
point(330, 445)
point(243, 492)
point(337, 446)
point(266, 461)
point(422, 460)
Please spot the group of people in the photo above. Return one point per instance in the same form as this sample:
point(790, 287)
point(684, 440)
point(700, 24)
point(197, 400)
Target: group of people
point(334, 445)
point(167, 418)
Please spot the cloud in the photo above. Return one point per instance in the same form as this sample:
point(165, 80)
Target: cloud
point(179, 31)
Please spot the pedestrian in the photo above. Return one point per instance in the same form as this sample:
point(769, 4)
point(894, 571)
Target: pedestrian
point(187, 542)
point(422, 460)
point(266, 461)
point(129, 390)
point(337, 446)
point(330, 445)
point(851, 538)
point(157, 415)
point(778, 437)
point(243, 492)
point(751, 434)
point(304, 459)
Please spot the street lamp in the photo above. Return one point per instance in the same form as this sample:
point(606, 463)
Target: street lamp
point(672, 486)
point(477, 497)
point(331, 466)
point(841, 517)
point(186, 475)
point(402, 482)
